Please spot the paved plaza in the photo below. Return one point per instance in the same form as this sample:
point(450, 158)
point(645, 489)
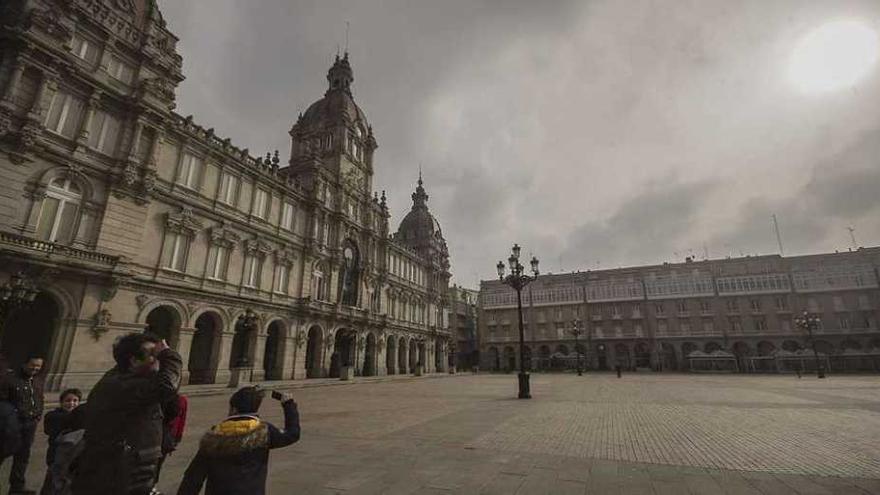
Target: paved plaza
point(642, 434)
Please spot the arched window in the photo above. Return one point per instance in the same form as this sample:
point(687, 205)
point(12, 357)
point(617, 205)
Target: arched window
point(59, 212)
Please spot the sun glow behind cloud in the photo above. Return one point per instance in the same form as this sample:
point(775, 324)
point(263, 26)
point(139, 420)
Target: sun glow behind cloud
point(836, 55)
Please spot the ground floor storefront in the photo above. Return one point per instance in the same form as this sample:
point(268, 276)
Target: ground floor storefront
point(854, 352)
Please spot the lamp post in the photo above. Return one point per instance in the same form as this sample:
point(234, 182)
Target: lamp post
point(15, 293)
point(518, 279)
point(577, 330)
point(246, 322)
point(810, 322)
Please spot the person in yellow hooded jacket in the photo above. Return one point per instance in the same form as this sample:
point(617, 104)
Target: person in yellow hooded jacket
point(233, 455)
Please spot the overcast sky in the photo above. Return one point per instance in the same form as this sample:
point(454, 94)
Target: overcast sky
point(593, 133)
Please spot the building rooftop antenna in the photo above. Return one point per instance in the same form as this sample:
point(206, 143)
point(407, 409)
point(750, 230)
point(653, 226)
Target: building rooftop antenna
point(778, 237)
point(852, 236)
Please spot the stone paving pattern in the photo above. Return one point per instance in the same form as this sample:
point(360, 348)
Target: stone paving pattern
point(641, 434)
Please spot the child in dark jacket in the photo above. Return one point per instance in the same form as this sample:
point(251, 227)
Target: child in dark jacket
point(233, 456)
point(54, 421)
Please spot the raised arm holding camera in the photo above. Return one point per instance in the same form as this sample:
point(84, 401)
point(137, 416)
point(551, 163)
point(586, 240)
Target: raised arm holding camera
point(233, 456)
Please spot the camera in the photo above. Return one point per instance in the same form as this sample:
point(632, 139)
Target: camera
point(277, 395)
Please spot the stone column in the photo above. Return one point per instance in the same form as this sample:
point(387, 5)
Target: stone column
point(289, 357)
point(360, 356)
point(184, 346)
point(47, 83)
point(223, 354)
point(83, 137)
point(259, 373)
point(135, 139)
point(405, 368)
point(15, 75)
point(381, 356)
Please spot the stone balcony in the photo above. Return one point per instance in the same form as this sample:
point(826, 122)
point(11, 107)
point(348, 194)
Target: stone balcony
point(57, 254)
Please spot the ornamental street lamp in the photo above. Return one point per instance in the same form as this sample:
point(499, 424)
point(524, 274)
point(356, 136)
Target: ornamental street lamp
point(810, 322)
point(245, 323)
point(518, 279)
point(577, 330)
point(14, 294)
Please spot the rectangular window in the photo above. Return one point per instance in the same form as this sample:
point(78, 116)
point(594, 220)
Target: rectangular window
point(65, 111)
point(55, 225)
point(287, 215)
point(176, 251)
point(838, 304)
point(755, 304)
point(103, 132)
point(218, 262)
point(781, 304)
point(260, 203)
point(253, 265)
point(662, 327)
point(120, 70)
point(658, 309)
point(705, 307)
point(709, 325)
point(843, 323)
point(682, 307)
point(281, 272)
point(84, 49)
point(190, 168)
point(229, 189)
point(685, 327)
point(864, 302)
point(732, 306)
point(760, 324)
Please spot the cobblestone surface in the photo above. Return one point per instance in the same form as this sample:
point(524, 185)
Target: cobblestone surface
point(643, 433)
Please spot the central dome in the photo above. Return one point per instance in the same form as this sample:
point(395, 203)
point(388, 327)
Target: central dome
point(337, 104)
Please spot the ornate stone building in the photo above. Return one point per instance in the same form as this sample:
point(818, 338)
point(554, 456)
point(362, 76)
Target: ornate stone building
point(736, 314)
point(463, 325)
point(125, 215)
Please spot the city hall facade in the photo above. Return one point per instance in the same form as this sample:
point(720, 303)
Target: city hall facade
point(734, 314)
point(117, 214)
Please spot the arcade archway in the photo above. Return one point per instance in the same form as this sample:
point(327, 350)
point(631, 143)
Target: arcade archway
point(29, 331)
point(203, 352)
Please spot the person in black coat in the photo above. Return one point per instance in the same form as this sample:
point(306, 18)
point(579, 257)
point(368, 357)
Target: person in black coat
point(123, 422)
point(54, 423)
point(233, 456)
point(23, 389)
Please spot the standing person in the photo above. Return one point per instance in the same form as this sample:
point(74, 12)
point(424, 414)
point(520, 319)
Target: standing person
point(23, 390)
point(233, 456)
point(54, 422)
point(66, 445)
point(172, 432)
point(123, 425)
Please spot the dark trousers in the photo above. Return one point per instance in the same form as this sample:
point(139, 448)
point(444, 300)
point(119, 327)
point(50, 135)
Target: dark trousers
point(21, 457)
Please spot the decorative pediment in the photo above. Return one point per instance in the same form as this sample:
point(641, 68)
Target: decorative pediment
point(184, 222)
point(223, 236)
point(257, 247)
point(285, 256)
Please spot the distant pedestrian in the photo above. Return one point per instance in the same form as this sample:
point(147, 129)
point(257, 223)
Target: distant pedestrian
point(619, 368)
point(174, 412)
point(233, 456)
point(22, 388)
point(123, 428)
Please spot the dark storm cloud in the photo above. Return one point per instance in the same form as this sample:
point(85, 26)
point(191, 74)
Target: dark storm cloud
point(624, 132)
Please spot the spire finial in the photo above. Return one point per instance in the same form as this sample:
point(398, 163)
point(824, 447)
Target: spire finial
point(420, 173)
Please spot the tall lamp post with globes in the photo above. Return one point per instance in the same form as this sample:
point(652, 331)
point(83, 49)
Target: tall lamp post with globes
point(518, 279)
point(810, 322)
point(577, 330)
